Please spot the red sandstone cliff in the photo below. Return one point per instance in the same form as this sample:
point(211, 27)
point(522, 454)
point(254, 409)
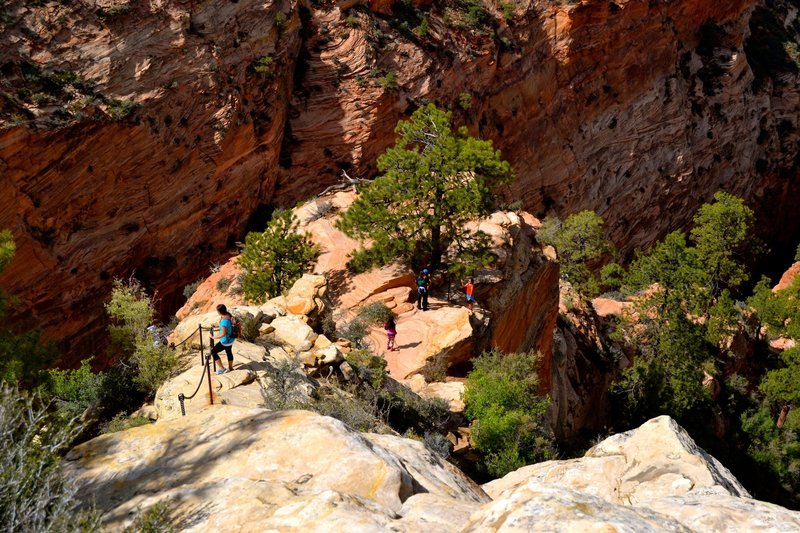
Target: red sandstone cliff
point(639, 109)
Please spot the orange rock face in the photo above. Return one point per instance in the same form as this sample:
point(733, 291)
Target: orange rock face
point(637, 109)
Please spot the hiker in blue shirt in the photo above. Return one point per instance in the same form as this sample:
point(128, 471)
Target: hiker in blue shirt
point(225, 339)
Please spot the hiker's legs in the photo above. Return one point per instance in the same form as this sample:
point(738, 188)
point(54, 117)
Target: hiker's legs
point(229, 353)
point(215, 354)
point(419, 300)
point(425, 301)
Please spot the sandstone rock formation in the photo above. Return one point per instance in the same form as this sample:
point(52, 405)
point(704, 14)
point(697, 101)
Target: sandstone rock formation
point(235, 469)
point(584, 362)
point(625, 107)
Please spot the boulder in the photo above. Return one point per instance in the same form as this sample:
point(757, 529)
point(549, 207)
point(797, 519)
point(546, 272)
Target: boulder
point(330, 355)
point(306, 296)
point(293, 333)
point(450, 391)
point(655, 460)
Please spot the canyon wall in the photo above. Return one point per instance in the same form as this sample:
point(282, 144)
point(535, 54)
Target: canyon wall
point(147, 137)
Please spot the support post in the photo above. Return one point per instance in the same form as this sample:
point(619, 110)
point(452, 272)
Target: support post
point(210, 393)
point(200, 332)
point(211, 344)
point(181, 398)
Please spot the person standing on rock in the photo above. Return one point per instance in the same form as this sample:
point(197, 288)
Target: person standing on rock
point(391, 333)
point(422, 289)
point(469, 290)
point(225, 339)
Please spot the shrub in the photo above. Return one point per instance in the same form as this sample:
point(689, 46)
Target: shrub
point(281, 392)
point(796, 254)
point(263, 65)
point(250, 328)
point(191, 288)
point(357, 412)
point(274, 259)
point(465, 100)
point(352, 21)
point(502, 401)
point(35, 495)
point(280, 21)
point(119, 109)
point(223, 284)
point(438, 444)
point(354, 331)
point(156, 519)
point(435, 368)
point(507, 8)
point(423, 30)
point(389, 81)
point(75, 390)
point(370, 368)
point(375, 313)
point(132, 311)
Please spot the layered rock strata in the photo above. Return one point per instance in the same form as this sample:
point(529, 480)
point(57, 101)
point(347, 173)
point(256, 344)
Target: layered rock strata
point(143, 139)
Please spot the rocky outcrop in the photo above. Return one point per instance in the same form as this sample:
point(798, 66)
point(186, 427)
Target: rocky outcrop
point(584, 363)
point(233, 106)
point(234, 469)
point(788, 277)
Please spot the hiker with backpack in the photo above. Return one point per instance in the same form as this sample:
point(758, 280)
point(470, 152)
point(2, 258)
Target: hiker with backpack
point(422, 289)
point(227, 334)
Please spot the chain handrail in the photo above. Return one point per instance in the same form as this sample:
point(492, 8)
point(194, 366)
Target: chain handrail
point(206, 361)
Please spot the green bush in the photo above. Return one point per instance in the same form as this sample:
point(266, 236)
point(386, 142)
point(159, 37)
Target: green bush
point(119, 109)
point(274, 259)
point(502, 400)
point(370, 368)
point(22, 354)
point(75, 390)
point(157, 519)
point(191, 288)
point(389, 81)
point(281, 391)
point(375, 313)
point(579, 241)
point(223, 284)
point(250, 328)
point(465, 100)
point(508, 10)
point(34, 495)
point(132, 311)
point(263, 65)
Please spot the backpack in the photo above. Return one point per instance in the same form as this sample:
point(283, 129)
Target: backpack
point(236, 327)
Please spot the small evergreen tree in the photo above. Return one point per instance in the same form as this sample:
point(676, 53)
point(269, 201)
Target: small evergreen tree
point(433, 182)
point(722, 241)
point(275, 258)
point(579, 241)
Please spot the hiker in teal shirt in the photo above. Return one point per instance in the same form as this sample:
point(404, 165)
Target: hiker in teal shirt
point(225, 339)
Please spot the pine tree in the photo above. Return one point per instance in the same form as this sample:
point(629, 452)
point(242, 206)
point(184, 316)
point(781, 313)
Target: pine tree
point(579, 241)
point(433, 182)
point(275, 258)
